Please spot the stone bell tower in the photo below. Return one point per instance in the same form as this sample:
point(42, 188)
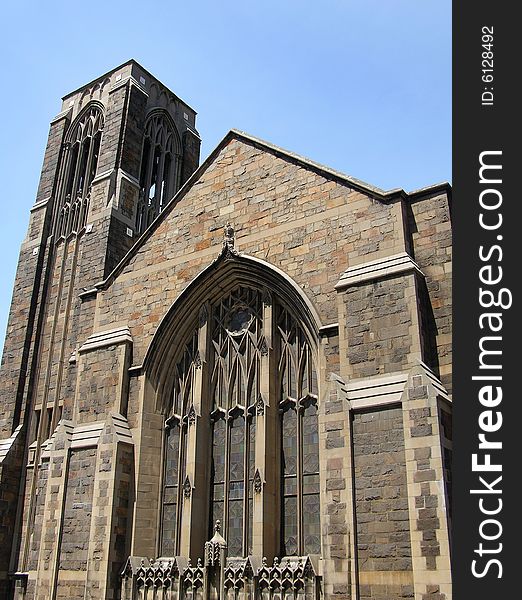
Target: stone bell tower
point(117, 152)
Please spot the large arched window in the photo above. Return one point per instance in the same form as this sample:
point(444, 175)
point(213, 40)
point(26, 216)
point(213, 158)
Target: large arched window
point(257, 354)
point(159, 168)
point(81, 159)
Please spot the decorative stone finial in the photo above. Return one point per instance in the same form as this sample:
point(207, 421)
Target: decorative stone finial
point(187, 487)
point(229, 236)
point(258, 482)
point(217, 526)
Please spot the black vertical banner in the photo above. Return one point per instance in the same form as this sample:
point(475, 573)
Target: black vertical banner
point(487, 164)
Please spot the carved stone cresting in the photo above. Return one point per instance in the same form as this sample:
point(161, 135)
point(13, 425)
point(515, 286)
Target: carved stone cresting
point(242, 577)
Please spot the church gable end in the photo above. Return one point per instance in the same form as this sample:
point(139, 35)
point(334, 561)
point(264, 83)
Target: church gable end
point(230, 381)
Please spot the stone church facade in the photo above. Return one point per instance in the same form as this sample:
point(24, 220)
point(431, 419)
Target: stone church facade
point(226, 380)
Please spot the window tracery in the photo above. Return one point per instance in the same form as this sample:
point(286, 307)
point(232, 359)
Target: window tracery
point(236, 338)
point(159, 169)
point(83, 149)
point(236, 329)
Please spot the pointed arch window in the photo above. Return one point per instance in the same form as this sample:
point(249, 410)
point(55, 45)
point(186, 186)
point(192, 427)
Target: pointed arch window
point(159, 173)
point(82, 152)
point(238, 362)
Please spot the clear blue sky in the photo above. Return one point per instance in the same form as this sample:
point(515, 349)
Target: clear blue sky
point(363, 86)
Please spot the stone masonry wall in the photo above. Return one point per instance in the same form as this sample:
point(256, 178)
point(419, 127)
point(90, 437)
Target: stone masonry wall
point(191, 146)
point(23, 311)
point(132, 142)
point(336, 513)
point(76, 523)
point(100, 376)
point(309, 226)
point(430, 229)
point(39, 509)
point(10, 466)
point(381, 505)
point(381, 330)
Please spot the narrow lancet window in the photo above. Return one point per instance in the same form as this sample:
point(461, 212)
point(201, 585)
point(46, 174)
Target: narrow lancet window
point(176, 447)
point(81, 160)
point(159, 169)
point(300, 526)
point(236, 342)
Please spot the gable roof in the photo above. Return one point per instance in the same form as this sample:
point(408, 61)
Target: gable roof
point(306, 163)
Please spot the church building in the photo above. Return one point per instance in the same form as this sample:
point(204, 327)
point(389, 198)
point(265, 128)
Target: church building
point(222, 381)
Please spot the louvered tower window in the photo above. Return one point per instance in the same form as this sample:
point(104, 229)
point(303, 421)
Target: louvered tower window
point(81, 159)
point(159, 176)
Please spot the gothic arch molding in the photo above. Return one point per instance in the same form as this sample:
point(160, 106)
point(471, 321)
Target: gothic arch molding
point(228, 271)
point(233, 375)
point(164, 114)
point(93, 104)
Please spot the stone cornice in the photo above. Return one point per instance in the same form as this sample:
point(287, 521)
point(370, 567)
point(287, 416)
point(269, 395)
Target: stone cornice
point(377, 269)
point(111, 337)
point(376, 391)
point(41, 204)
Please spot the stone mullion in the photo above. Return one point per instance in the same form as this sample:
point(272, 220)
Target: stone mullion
point(173, 180)
point(86, 184)
point(77, 168)
point(159, 180)
point(63, 176)
point(264, 500)
point(148, 177)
